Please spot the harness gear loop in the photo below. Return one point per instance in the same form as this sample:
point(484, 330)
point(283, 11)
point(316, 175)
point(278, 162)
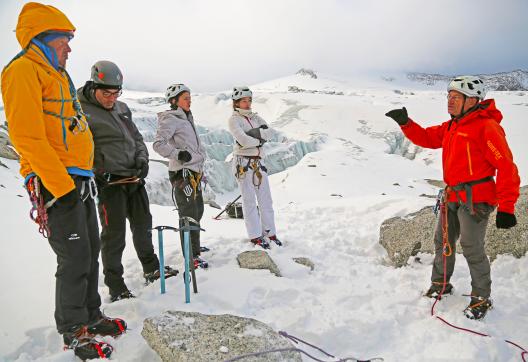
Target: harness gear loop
point(92, 189)
point(255, 165)
point(38, 211)
point(446, 246)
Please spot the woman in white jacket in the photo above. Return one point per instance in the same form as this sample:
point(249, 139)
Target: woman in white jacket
point(251, 132)
point(177, 140)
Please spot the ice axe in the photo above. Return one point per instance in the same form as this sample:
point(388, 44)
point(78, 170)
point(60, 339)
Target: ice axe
point(186, 228)
point(227, 207)
point(161, 257)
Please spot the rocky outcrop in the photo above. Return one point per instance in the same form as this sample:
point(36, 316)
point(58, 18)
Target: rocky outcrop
point(6, 150)
point(257, 259)
point(307, 72)
point(516, 80)
point(195, 337)
point(405, 236)
point(305, 261)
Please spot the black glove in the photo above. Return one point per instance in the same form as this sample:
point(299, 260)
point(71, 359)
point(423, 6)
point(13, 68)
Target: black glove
point(255, 133)
point(399, 115)
point(505, 220)
point(264, 126)
point(184, 156)
point(70, 199)
point(142, 167)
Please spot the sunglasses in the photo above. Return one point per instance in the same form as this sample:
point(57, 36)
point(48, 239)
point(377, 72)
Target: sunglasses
point(108, 94)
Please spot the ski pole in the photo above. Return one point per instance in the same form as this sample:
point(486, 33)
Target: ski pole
point(161, 256)
point(227, 207)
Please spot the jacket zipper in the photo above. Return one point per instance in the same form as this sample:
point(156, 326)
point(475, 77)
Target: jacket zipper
point(469, 159)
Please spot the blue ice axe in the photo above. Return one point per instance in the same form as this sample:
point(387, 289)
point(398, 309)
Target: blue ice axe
point(161, 257)
point(187, 252)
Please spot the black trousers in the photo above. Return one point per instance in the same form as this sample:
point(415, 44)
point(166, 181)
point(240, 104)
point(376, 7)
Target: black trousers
point(74, 237)
point(188, 205)
point(117, 203)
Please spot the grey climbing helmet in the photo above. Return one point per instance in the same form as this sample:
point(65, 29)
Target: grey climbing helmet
point(106, 74)
point(174, 89)
point(240, 92)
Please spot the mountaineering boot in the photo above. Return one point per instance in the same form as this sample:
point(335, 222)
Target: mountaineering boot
point(84, 345)
point(204, 249)
point(436, 288)
point(478, 307)
point(200, 263)
point(155, 275)
point(275, 240)
point(127, 294)
point(260, 241)
point(106, 326)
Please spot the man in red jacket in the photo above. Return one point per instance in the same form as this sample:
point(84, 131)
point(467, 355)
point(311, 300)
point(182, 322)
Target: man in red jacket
point(474, 150)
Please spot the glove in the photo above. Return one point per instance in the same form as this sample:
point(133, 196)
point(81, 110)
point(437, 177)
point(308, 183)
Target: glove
point(399, 115)
point(142, 167)
point(184, 156)
point(255, 133)
point(70, 199)
point(505, 220)
point(264, 126)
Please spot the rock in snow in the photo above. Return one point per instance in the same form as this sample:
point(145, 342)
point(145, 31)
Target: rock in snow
point(194, 337)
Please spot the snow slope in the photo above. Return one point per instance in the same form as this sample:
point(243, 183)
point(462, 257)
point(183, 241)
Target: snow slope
point(353, 303)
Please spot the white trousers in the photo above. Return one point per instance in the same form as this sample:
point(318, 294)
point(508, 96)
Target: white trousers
point(259, 221)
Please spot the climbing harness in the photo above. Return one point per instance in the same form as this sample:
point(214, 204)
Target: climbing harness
point(253, 163)
point(468, 188)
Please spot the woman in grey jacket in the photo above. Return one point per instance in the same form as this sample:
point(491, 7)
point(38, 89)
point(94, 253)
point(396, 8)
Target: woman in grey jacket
point(251, 132)
point(177, 140)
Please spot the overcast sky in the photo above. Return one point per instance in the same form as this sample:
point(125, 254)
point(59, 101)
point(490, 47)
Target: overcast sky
point(214, 44)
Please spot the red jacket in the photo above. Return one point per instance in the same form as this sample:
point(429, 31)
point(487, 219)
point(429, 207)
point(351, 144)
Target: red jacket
point(473, 148)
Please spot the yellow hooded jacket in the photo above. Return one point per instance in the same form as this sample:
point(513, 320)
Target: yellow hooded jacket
point(40, 105)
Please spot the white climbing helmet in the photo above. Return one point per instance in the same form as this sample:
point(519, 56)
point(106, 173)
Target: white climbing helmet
point(469, 85)
point(175, 89)
point(240, 92)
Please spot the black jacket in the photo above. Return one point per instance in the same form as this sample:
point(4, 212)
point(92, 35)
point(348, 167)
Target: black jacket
point(118, 143)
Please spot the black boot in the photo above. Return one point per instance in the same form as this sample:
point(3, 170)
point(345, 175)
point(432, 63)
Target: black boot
point(127, 294)
point(84, 345)
point(478, 307)
point(107, 326)
point(155, 275)
point(436, 288)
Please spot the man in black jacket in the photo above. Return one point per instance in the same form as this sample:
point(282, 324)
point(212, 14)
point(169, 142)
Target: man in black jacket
point(120, 166)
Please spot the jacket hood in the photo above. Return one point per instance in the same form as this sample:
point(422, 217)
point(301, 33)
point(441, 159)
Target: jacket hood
point(85, 94)
point(487, 109)
point(36, 18)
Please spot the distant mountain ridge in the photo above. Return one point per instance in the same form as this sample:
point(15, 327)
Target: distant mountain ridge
point(516, 80)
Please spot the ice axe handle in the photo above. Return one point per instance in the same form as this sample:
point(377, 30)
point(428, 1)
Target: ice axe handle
point(227, 207)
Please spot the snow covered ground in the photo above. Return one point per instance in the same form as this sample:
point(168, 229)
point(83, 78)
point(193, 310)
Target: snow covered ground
point(329, 207)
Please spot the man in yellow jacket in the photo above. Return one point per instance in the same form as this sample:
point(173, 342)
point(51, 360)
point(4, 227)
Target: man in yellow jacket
point(49, 130)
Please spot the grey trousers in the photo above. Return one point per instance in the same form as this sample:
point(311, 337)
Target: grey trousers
point(472, 230)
